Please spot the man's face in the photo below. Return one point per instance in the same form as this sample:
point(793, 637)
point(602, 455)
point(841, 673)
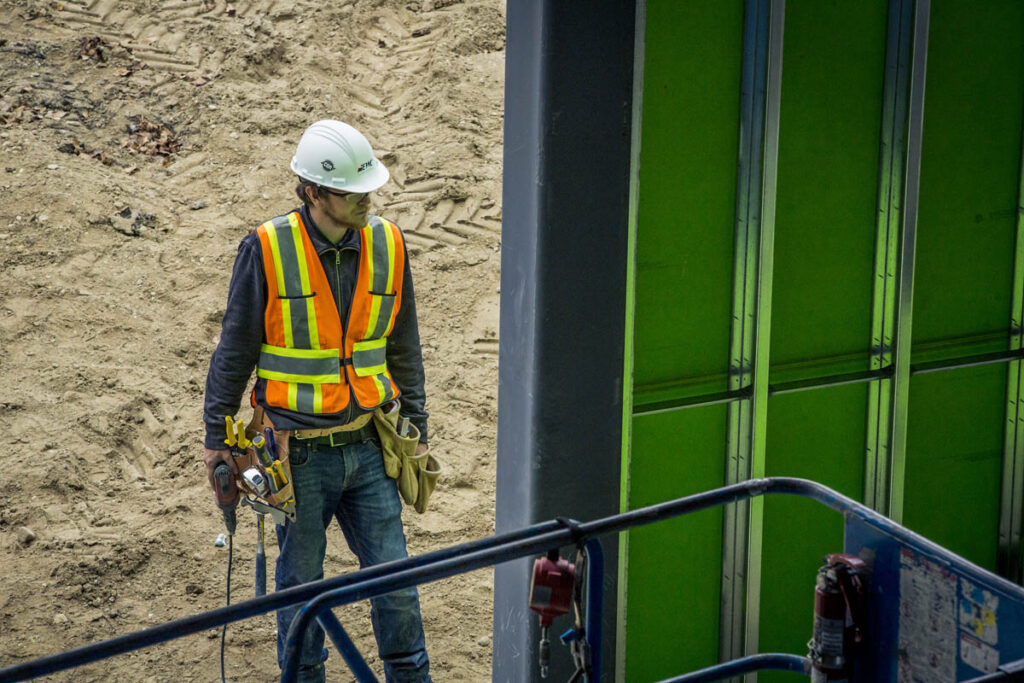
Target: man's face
point(348, 210)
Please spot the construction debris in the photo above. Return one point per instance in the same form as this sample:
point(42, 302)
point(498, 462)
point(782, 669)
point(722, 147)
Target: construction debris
point(152, 139)
point(22, 111)
point(197, 78)
point(132, 222)
point(132, 68)
point(77, 148)
point(93, 48)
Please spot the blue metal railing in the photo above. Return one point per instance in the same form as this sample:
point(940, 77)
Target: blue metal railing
point(380, 579)
point(320, 607)
point(746, 665)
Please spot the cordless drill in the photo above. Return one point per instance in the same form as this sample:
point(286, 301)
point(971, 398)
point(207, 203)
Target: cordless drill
point(226, 493)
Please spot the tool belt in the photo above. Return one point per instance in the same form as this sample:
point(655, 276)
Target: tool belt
point(416, 474)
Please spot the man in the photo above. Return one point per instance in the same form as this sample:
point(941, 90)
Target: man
point(321, 302)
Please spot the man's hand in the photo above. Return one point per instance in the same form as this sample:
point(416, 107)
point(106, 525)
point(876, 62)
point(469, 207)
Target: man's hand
point(213, 457)
point(421, 448)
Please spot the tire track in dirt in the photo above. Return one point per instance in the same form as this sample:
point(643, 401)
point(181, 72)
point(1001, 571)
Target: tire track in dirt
point(429, 211)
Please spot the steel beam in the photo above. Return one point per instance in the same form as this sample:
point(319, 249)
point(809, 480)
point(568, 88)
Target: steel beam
point(636, 128)
point(908, 241)
point(564, 123)
point(750, 343)
point(895, 244)
point(890, 186)
point(762, 343)
point(739, 446)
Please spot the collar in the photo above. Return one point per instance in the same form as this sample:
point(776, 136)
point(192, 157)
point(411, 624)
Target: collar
point(320, 243)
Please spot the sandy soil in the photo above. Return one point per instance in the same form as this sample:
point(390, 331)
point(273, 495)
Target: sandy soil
point(139, 141)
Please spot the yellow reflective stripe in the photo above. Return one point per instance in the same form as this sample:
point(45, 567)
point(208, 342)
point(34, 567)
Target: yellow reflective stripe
point(380, 389)
point(318, 398)
point(286, 317)
point(300, 252)
point(296, 379)
point(371, 323)
point(369, 344)
point(391, 255)
point(275, 250)
point(299, 353)
point(391, 274)
point(293, 396)
point(286, 309)
point(374, 314)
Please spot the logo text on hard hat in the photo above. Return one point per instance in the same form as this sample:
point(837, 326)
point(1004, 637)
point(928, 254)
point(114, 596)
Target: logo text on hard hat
point(328, 165)
point(364, 166)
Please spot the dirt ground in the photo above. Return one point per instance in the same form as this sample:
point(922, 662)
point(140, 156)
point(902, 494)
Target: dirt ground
point(139, 141)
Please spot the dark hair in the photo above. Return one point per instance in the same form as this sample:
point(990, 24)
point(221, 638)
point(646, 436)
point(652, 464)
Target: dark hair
point(300, 190)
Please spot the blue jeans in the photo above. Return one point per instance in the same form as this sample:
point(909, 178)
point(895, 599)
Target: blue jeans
point(348, 483)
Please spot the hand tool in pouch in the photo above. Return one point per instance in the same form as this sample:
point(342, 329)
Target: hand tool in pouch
point(263, 475)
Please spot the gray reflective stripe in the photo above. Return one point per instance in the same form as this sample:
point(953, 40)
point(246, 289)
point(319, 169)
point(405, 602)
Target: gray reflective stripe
point(289, 257)
point(381, 265)
point(305, 367)
point(380, 256)
point(300, 324)
point(304, 398)
point(293, 282)
point(389, 388)
point(387, 304)
point(369, 358)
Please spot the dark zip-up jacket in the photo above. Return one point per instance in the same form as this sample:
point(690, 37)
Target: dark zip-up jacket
point(242, 334)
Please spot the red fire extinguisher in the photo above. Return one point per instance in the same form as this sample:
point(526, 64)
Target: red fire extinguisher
point(840, 605)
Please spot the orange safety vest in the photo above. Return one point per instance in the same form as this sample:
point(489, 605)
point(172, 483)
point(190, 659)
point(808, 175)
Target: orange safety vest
point(312, 364)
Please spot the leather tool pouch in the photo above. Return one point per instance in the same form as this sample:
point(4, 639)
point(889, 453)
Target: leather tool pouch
point(284, 498)
point(416, 474)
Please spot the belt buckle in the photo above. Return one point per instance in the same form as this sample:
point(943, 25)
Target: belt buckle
point(343, 442)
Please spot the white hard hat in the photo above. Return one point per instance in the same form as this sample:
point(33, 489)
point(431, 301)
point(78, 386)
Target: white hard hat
point(336, 155)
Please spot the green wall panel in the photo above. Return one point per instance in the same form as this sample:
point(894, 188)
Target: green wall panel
point(816, 435)
point(833, 68)
point(675, 566)
point(969, 171)
point(954, 459)
point(825, 220)
point(687, 206)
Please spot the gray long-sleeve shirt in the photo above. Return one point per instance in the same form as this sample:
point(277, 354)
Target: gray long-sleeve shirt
point(242, 334)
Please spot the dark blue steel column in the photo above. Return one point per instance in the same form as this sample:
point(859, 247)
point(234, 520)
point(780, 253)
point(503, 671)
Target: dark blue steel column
point(568, 98)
